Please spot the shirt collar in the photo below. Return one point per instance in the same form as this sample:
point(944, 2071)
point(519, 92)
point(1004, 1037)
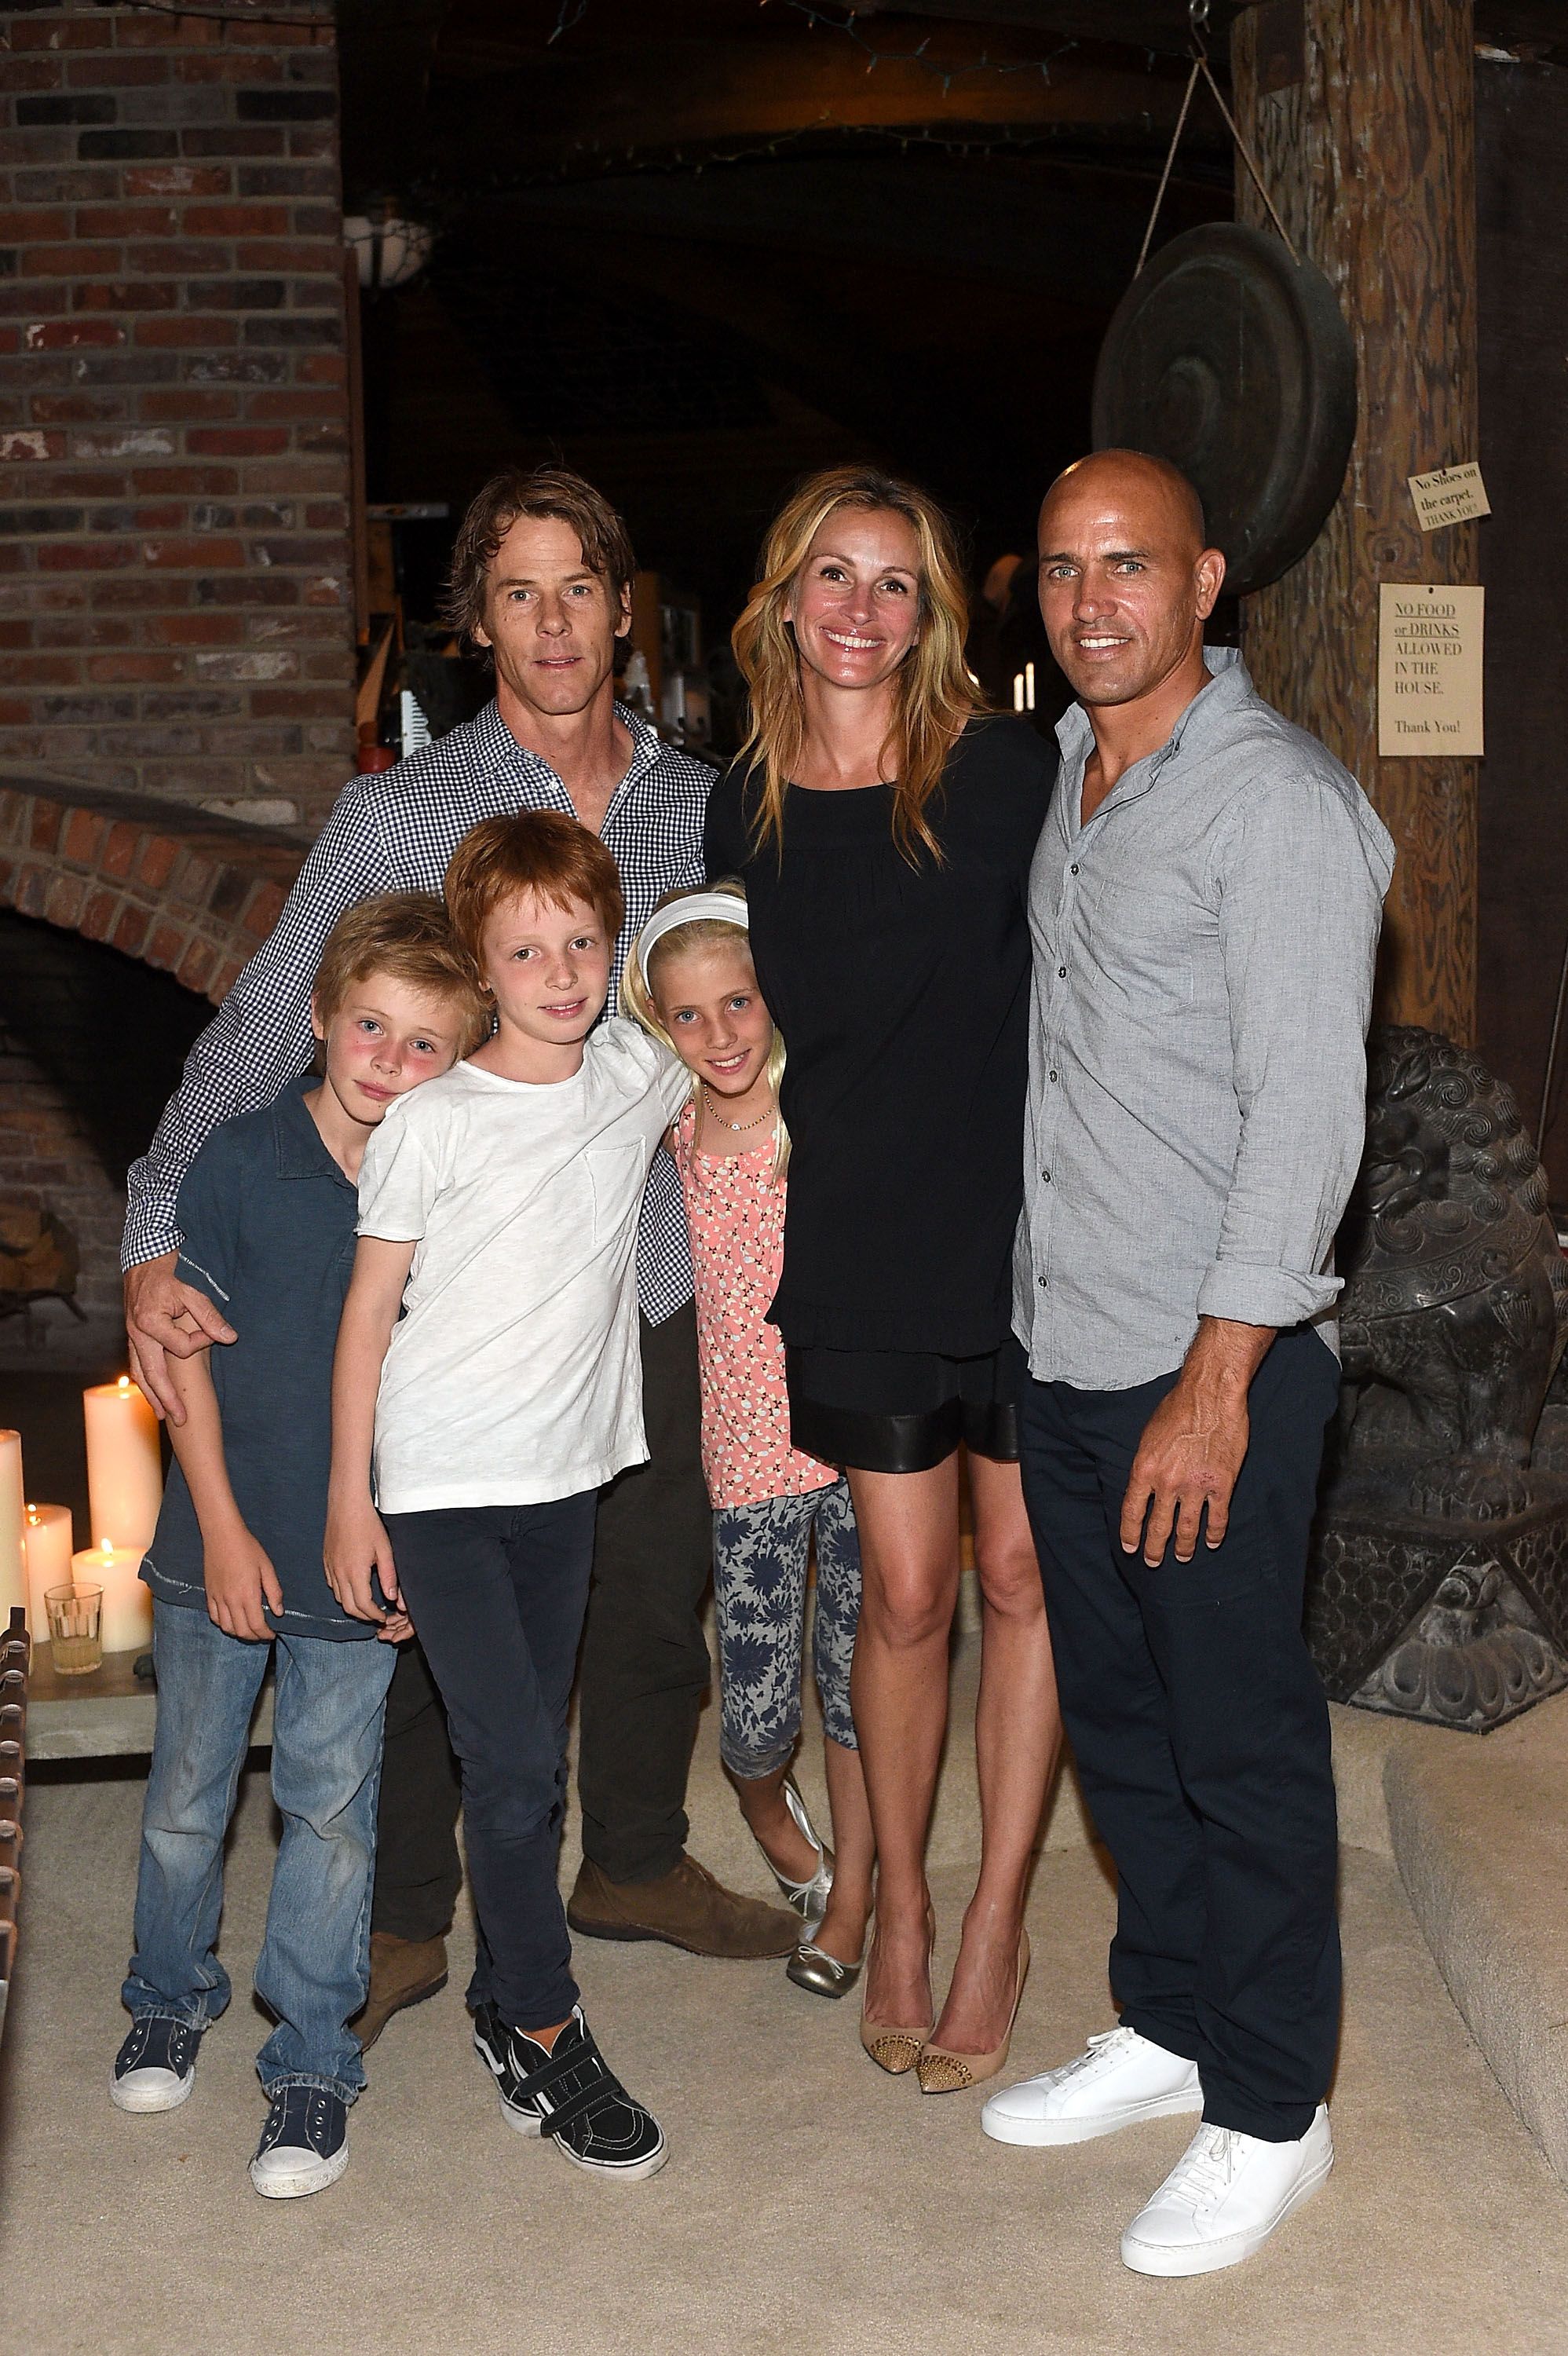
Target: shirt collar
point(502, 752)
point(1230, 685)
point(301, 1152)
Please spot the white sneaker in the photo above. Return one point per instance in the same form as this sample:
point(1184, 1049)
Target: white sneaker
point(1223, 2199)
point(1120, 2079)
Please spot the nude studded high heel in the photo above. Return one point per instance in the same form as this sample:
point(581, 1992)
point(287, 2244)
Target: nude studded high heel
point(942, 2071)
point(891, 2046)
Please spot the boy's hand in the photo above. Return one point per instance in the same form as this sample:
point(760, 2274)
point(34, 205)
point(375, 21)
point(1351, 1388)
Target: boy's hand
point(239, 1579)
point(397, 1630)
point(358, 1549)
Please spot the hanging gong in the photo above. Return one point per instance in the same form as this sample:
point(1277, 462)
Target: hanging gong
point(1234, 362)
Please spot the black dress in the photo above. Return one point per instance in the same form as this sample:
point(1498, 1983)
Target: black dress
point(901, 991)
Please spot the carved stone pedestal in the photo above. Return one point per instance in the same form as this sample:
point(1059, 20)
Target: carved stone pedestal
point(1438, 1584)
point(1460, 1619)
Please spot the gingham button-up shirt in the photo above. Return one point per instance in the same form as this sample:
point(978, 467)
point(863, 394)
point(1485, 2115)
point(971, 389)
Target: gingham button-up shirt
point(395, 832)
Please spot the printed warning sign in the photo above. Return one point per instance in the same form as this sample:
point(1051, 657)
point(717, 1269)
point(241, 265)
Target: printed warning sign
point(1429, 670)
point(1452, 494)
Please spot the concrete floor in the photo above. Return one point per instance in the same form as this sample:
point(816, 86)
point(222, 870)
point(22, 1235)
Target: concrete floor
point(809, 2203)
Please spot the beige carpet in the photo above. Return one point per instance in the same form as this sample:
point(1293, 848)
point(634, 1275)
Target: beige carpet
point(810, 2204)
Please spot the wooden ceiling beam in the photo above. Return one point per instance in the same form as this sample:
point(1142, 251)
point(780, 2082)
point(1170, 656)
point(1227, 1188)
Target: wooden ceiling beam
point(1158, 24)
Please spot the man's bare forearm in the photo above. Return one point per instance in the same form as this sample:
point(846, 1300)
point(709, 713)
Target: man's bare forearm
point(1223, 1357)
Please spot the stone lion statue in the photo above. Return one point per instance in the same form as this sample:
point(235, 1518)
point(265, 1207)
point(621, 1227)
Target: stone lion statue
point(1455, 1311)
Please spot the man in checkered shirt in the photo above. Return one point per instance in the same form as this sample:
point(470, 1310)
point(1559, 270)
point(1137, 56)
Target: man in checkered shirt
point(541, 578)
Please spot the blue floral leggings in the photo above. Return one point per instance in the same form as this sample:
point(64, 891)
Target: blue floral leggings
point(759, 1583)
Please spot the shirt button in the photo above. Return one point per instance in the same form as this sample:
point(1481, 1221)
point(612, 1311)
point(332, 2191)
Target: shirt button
point(1044, 1281)
point(1062, 973)
point(1053, 1075)
point(1074, 867)
point(1045, 1175)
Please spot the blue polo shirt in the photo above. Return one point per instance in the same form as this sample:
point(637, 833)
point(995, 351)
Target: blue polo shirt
point(267, 1221)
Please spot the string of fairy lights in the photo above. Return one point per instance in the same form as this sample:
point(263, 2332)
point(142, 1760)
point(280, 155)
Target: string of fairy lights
point(849, 22)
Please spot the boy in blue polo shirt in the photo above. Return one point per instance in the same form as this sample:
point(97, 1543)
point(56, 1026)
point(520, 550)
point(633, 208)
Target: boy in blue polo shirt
point(267, 1214)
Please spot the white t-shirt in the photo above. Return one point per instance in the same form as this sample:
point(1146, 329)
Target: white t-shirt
point(514, 1375)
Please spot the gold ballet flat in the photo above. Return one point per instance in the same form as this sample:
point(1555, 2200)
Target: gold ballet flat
point(818, 1973)
point(942, 2071)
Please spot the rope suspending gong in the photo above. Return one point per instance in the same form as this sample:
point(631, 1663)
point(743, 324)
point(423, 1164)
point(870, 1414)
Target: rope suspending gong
point(1197, 18)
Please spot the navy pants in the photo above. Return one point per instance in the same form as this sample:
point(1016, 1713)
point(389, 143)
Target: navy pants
point(1201, 1737)
point(497, 1594)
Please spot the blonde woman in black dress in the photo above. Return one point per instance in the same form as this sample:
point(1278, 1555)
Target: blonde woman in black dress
point(885, 828)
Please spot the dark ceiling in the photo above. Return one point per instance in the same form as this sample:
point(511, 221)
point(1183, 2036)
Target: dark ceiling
point(696, 247)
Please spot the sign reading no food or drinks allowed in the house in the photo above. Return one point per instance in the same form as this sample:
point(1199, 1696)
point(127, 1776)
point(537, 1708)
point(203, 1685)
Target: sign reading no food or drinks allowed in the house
point(1429, 670)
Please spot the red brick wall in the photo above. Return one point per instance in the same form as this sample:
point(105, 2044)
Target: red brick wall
point(175, 575)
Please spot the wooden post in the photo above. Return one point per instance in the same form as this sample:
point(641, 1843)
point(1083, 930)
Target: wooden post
point(1360, 114)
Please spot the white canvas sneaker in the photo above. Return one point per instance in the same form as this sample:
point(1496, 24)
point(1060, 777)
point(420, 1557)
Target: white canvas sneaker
point(1223, 2199)
point(1119, 2079)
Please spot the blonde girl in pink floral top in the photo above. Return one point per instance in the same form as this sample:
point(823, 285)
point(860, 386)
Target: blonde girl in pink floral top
point(689, 980)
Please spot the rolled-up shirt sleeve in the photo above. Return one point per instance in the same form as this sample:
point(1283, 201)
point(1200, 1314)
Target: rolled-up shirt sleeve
point(261, 1036)
point(1300, 883)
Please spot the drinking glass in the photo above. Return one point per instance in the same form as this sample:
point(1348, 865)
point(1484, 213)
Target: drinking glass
point(75, 1628)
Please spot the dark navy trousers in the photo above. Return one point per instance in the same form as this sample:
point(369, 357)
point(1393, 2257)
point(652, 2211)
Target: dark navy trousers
point(497, 1593)
point(1200, 1733)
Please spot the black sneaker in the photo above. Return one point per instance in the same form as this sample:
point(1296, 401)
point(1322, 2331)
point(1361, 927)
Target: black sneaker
point(569, 2094)
point(305, 2144)
point(154, 2070)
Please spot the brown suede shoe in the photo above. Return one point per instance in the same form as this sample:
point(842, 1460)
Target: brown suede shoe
point(402, 1972)
point(685, 1908)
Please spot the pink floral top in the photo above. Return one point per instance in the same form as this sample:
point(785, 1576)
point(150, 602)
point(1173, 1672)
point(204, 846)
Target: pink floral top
point(736, 1215)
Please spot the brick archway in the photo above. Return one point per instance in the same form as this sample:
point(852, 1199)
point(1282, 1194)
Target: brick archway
point(190, 895)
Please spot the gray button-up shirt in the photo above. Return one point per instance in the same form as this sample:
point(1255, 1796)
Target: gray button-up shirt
point(1204, 954)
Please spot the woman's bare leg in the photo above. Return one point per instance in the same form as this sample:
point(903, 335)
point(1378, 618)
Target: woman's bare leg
point(843, 1931)
point(1017, 1732)
point(908, 1524)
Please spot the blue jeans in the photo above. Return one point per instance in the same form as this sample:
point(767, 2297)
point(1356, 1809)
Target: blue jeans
point(759, 1588)
point(326, 1766)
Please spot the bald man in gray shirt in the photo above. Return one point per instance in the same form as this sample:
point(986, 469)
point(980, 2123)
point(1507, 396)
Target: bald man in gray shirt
point(1205, 906)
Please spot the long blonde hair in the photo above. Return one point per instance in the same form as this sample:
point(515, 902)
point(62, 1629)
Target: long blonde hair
point(934, 692)
point(702, 932)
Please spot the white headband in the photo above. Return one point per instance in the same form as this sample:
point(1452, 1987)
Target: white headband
point(722, 907)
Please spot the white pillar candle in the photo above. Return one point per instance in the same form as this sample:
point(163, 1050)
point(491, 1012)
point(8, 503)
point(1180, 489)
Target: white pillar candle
point(125, 1468)
point(127, 1623)
point(46, 1541)
point(13, 1562)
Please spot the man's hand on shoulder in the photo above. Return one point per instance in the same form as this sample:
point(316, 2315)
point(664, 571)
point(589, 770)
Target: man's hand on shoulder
point(1194, 1444)
point(167, 1318)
